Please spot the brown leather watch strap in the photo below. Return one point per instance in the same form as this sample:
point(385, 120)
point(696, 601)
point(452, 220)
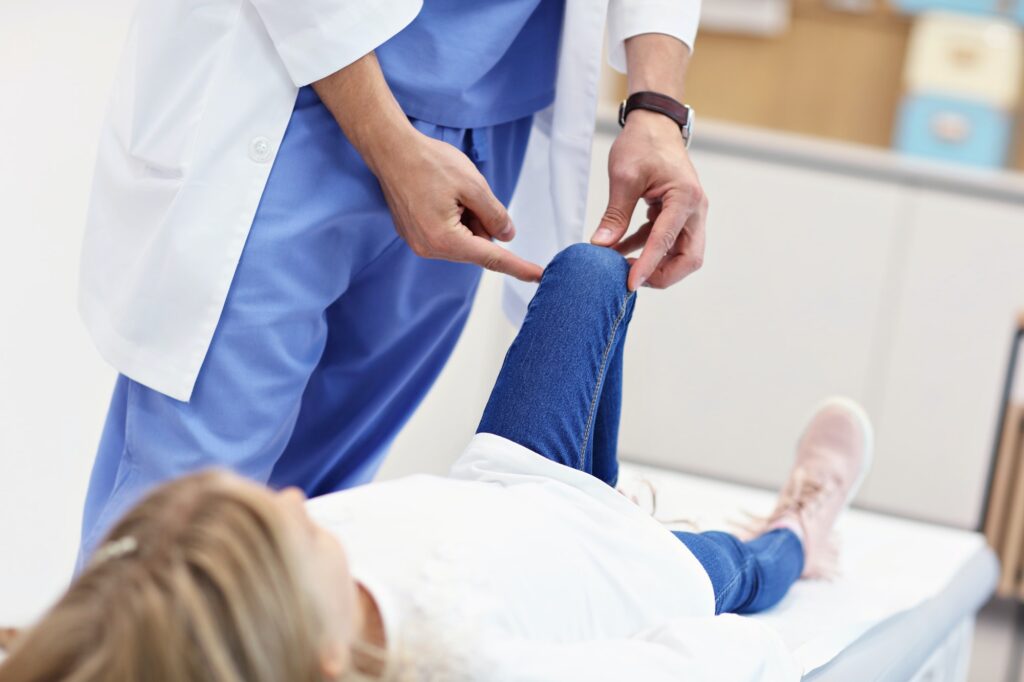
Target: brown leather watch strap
point(655, 101)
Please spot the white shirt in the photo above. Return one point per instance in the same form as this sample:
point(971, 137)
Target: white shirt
point(199, 108)
point(518, 568)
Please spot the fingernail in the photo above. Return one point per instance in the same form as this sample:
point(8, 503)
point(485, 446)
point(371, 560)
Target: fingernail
point(507, 232)
point(603, 234)
point(640, 282)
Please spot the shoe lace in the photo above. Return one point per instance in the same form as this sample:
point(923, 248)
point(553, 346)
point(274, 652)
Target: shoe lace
point(688, 522)
point(804, 496)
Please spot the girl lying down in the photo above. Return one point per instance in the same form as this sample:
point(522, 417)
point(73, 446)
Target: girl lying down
point(523, 564)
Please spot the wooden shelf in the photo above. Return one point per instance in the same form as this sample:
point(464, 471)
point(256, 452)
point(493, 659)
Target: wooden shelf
point(1004, 514)
point(833, 74)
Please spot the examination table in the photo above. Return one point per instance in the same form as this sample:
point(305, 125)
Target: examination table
point(902, 607)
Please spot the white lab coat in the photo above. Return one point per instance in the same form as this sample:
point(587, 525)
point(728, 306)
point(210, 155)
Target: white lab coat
point(199, 108)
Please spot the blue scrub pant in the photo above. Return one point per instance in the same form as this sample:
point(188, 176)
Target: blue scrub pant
point(331, 334)
point(559, 393)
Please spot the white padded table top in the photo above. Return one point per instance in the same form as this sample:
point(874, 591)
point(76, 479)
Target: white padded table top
point(888, 566)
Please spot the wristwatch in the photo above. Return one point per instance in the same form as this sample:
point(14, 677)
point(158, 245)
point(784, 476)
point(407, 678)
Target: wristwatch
point(681, 113)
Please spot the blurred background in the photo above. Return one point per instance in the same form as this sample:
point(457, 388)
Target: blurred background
point(937, 79)
point(863, 161)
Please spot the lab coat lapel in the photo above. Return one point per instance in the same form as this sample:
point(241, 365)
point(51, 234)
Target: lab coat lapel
point(551, 199)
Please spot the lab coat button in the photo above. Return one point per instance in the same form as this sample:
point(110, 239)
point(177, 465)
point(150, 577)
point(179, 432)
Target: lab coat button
point(260, 149)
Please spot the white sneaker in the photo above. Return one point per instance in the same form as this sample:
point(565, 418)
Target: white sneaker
point(832, 458)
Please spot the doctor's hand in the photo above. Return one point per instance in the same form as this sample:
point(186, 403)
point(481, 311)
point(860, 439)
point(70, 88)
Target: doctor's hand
point(649, 161)
point(443, 207)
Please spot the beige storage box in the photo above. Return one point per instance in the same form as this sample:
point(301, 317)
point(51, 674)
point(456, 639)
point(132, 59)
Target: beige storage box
point(966, 56)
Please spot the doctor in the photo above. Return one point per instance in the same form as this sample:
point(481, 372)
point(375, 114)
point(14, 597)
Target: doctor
point(293, 201)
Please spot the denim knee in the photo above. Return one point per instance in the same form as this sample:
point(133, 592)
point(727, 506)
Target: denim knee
point(591, 266)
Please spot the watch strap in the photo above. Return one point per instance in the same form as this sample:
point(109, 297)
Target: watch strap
point(657, 102)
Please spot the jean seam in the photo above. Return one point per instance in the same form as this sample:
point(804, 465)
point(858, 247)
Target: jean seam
point(747, 562)
point(776, 543)
point(600, 378)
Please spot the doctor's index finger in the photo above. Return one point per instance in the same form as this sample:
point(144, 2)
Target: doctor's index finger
point(490, 256)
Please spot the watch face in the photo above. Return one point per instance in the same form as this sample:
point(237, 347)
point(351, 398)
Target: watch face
point(691, 116)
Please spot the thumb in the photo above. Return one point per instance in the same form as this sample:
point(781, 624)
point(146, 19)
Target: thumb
point(489, 212)
point(615, 221)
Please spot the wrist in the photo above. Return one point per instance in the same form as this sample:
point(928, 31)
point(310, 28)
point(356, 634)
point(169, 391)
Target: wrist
point(361, 102)
point(383, 143)
point(663, 107)
point(651, 122)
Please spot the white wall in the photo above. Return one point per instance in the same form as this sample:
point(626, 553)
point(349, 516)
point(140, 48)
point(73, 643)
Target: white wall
point(56, 64)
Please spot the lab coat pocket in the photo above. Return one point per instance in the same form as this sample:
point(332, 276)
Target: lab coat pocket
point(166, 79)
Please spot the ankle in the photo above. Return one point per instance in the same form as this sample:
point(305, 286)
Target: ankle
point(788, 522)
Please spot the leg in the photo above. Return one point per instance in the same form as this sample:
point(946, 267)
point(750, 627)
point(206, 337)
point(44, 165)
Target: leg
point(747, 576)
point(390, 335)
point(109, 457)
point(831, 459)
point(379, 363)
point(605, 443)
point(558, 392)
point(303, 248)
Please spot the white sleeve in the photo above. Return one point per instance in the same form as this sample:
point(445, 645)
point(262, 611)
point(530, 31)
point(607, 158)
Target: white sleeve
point(315, 38)
point(721, 649)
point(628, 18)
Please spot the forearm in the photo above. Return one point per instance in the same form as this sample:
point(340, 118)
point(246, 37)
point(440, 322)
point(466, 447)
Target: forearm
point(657, 62)
point(362, 103)
point(649, 161)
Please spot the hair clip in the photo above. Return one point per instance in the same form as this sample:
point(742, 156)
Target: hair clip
point(115, 549)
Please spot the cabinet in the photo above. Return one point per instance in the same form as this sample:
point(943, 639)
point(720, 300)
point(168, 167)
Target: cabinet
point(822, 279)
point(951, 320)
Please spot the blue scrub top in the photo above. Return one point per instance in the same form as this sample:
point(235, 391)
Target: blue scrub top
point(475, 63)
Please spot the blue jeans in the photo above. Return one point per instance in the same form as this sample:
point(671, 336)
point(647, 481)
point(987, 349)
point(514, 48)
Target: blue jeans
point(559, 393)
point(331, 334)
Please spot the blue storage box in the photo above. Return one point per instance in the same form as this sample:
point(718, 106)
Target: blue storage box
point(948, 129)
point(987, 7)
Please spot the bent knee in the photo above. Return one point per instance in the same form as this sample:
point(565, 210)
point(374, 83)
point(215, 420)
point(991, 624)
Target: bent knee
point(592, 263)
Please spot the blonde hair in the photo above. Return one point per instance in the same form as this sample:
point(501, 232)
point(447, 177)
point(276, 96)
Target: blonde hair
point(207, 589)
